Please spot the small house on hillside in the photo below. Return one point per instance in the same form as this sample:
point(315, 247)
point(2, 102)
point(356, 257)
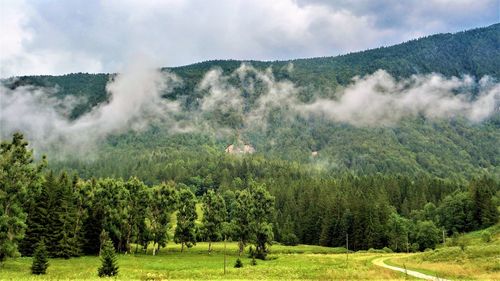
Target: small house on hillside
point(239, 148)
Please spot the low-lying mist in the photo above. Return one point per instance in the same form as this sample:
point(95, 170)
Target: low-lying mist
point(247, 95)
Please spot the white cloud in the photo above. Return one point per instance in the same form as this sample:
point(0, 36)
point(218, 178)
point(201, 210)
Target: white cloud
point(381, 100)
point(40, 37)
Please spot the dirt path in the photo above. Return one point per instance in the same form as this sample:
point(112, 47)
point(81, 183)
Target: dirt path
point(380, 262)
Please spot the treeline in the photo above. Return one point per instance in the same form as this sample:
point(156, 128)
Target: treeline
point(72, 215)
point(251, 201)
point(382, 211)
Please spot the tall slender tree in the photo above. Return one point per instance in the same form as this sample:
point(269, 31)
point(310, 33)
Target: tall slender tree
point(185, 232)
point(19, 175)
point(214, 215)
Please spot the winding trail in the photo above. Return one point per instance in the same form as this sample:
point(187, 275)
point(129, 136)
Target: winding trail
point(380, 262)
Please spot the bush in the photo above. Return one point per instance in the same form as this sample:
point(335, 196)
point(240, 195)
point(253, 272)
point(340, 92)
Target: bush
point(108, 259)
point(387, 250)
point(414, 247)
point(238, 263)
point(372, 250)
point(290, 239)
point(40, 261)
point(254, 261)
point(486, 236)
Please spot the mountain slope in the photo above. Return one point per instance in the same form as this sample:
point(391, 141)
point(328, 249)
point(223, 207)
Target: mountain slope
point(444, 148)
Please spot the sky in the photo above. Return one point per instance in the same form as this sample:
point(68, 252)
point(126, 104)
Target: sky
point(58, 37)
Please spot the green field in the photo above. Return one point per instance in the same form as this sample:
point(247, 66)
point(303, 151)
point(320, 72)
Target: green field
point(475, 259)
point(479, 261)
point(285, 263)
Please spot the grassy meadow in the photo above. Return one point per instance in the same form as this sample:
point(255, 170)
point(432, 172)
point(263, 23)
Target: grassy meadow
point(285, 263)
point(467, 258)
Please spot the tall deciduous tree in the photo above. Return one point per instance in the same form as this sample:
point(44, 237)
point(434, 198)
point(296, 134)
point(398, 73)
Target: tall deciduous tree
point(263, 216)
point(163, 200)
point(214, 215)
point(185, 232)
point(242, 218)
point(397, 232)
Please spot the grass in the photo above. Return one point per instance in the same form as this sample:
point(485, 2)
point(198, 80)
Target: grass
point(479, 260)
point(285, 263)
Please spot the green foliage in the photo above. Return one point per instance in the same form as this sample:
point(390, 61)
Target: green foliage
point(214, 215)
point(40, 259)
point(486, 236)
point(238, 263)
point(185, 232)
point(485, 211)
point(397, 232)
point(19, 177)
point(163, 200)
point(427, 235)
point(109, 265)
point(441, 148)
point(387, 250)
point(290, 239)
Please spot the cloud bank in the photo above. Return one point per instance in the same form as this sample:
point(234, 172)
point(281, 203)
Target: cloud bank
point(134, 103)
point(379, 99)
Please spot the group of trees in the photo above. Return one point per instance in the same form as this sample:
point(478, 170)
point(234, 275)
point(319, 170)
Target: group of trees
point(70, 215)
point(251, 200)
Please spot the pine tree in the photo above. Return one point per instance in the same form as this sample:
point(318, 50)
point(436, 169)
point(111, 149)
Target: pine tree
point(108, 260)
point(18, 177)
point(40, 261)
point(38, 216)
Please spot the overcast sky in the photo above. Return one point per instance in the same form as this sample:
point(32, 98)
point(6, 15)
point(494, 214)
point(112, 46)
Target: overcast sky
point(56, 37)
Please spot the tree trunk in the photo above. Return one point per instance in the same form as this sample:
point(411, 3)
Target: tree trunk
point(209, 247)
point(182, 247)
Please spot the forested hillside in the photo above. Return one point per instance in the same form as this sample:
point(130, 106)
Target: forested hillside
point(443, 147)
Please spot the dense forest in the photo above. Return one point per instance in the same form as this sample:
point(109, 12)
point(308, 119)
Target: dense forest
point(311, 180)
point(255, 203)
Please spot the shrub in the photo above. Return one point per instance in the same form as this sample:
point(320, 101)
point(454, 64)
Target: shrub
point(372, 250)
point(40, 261)
point(238, 263)
point(254, 261)
point(486, 236)
point(414, 247)
point(290, 239)
point(387, 250)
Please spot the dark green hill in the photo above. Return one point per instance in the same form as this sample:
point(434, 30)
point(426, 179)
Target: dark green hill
point(455, 148)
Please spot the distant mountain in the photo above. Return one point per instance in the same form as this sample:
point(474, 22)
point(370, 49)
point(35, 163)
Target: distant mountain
point(444, 148)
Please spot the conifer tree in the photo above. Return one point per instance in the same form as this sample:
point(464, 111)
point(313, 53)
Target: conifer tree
point(40, 260)
point(38, 216)
point(109, 265)
point(19, 176)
